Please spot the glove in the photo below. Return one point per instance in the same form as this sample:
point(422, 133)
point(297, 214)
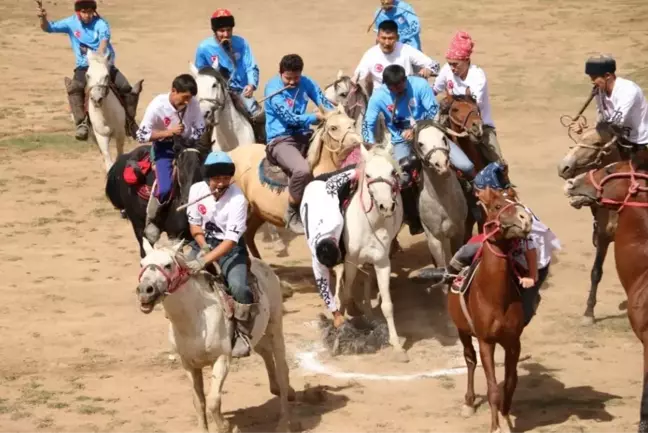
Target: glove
point(196, 265)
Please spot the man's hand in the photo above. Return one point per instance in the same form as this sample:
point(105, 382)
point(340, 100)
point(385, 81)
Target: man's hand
point(408, 134)
point(248, 91)
point(42, 14)
point(425, 73)
point(576, 127)
point(320, 116)
point(176, 130)
point(526, 282)
point(196, 265)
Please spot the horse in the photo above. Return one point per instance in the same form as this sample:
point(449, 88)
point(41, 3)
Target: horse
point(593, 149)
point(372, 220)
point(333, 140)
point(491, 311)
point(622, 189)
point(106, 112)
point(200, 330)
point(133, 199)
point(226, 117)
point(442, 206)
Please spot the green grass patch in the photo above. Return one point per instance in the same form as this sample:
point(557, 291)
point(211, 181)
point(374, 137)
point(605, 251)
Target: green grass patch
point(56, 141)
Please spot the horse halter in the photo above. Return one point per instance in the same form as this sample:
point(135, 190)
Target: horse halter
point(634, 188)
point(174, 280)
point(425, 158)
point(601, 152)
point(497, 223)
point(392, 181)
point(463, 124)
point(216, 104)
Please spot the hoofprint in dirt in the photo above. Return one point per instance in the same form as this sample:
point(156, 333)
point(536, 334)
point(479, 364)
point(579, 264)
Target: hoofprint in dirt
point(77, 355)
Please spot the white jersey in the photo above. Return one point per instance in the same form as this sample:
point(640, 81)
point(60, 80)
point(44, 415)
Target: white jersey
point(322, 218)
point(542, 239)
point(627, 108)
point(375, 61)
point(160, 115)
point(446, 81)
point(222, 219)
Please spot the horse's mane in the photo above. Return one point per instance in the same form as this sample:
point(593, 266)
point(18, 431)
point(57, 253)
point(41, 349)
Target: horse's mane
point(381, 152)
point(463, 98)
point(237, 101)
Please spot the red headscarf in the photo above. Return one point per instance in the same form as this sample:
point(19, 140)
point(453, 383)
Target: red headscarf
point(461, 47)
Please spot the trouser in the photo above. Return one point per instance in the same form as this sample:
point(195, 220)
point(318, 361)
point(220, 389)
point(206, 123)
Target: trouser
point(288, 152)
point(490, 147)
point(163, 156)
point(458, 158)
point(235, 269)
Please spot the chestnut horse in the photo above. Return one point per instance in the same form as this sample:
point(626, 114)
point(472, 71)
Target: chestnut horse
point(621, 188)
point(491, 310)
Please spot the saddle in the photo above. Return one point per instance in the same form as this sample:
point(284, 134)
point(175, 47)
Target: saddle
point(136, 172)
point(273, 176)
point(218, 285)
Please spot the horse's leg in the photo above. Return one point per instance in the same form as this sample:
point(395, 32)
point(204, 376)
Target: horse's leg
point(643, 422)
point(253, 224)
point(487, 355)
point(596, 275)
point(196, 378)
point(103, 143)
point(286, 392)
point(366, 302)
point(119, 144)
point(350, 271)
point(470, 356)
point(383, 275)
point(511, 359)
point(436, 249)
point(219, 373)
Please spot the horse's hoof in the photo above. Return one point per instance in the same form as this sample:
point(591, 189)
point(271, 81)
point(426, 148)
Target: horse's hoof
point(467, 411)
point(283, 426)
point(587, 321)
point(623, 305)
point(400, 355)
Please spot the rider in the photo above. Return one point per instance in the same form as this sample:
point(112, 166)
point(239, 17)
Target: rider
point(217, 224)
point(288, 128)
point(458, 75)
point(403, 101)
point(169, 116)
point(389, 51)
point(323, 223)
point(88, 31)
point(532, 254)
point(402, 14)
point(233, 56)
point(619, 101)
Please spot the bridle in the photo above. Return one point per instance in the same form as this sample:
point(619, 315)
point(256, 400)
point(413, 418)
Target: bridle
point(176, 278)
point(425, 157)
point(462, 125)
point(634, 188)
point(602, 152)
point(393, 183)
point(216, 104)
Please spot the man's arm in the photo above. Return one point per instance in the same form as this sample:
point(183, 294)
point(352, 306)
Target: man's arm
point(323, 282)
point(429, 103)
point(146, 133)
point(103, 30)
point(317, 96)
point(251, 67)
point(418, 58)
point(236, 225)
point(60, 26)
point(413, 25)
point(370, 120)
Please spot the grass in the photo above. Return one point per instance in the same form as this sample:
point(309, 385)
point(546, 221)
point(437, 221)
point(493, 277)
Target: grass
point(56, 141)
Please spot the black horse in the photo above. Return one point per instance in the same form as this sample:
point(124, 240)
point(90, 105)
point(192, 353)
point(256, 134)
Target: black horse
point(125, 198)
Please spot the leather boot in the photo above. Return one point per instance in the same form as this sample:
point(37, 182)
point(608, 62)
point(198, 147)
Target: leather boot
point(131, 100)
point(151, 230)
point(410, 209)
point(76, 99)
point(244, 315)
point(293, 219)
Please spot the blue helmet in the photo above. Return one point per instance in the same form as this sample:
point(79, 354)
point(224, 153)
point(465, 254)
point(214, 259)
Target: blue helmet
point(494, 175)
point(218, 163)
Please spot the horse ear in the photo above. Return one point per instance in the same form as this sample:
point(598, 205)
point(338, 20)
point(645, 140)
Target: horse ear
point(193, 69)
point(468, 92)
point(137, 88)
point(177, 246)
point(340, 74)
point(146, 246)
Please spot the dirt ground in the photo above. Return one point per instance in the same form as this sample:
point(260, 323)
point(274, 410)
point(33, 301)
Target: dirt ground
point(77, 354)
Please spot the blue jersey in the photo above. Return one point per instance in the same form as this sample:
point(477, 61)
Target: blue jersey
point(83, 37)
point(401, 112)
point(286, 111)
point(409, 27)
point(243, 69)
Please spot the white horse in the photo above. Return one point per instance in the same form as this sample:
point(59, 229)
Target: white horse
point(371, 223)
point(231, 128)
point(441, 204)
point(200, 331)
point(107, 116)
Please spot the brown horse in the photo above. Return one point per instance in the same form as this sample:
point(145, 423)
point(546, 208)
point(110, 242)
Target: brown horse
point(621, 188)
point(492, 310)
point(593, 149)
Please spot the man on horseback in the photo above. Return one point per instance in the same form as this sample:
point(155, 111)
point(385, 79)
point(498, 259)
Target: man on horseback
point(532, 255)
point(88, 31)
point(404, 16)
point(288, 128)
point(403, 101)
point(620, 103)
point(232, 56)
point(169, 117)
point(459, 75)
point(321, 213)
point(389, 51)
point(217, 223)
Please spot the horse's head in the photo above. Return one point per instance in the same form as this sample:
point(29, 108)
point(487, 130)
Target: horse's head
point(161, 273)
point(97, 77)
point(590, 150)
point(334, 138)
point(212, 92)
point(464, 115)
point(350, 95)
point(507, 217)
point(188, 164)
point(382, 175)
point(432, 147)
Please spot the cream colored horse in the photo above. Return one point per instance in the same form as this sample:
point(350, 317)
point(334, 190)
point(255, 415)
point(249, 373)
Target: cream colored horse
point(331, 143)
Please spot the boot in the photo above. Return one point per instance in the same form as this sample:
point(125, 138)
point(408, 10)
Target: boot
point(131, 100)
point(76, 99)
point(151, 230)
point(244, 315)
point(293, 219)
point(438, 276)
point(410, 209)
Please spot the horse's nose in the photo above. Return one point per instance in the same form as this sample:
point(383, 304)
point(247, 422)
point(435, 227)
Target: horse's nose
point(382, 207)
point(569, 185)
point(393, 206)
point(564, 170)
point(208, 114)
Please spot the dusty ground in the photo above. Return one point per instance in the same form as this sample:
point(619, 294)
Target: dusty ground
point(76, 353)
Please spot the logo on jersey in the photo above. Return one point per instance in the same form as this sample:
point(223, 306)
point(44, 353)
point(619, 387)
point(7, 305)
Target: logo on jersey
point(390, 108)
point(77, 34)
point(378, 67)
point(412, 102)
point(214, 60)
point(400, 20)
point(202, 209)
point(290, 102)
point(450, 85)
point(167, 121)
point(237, 56)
